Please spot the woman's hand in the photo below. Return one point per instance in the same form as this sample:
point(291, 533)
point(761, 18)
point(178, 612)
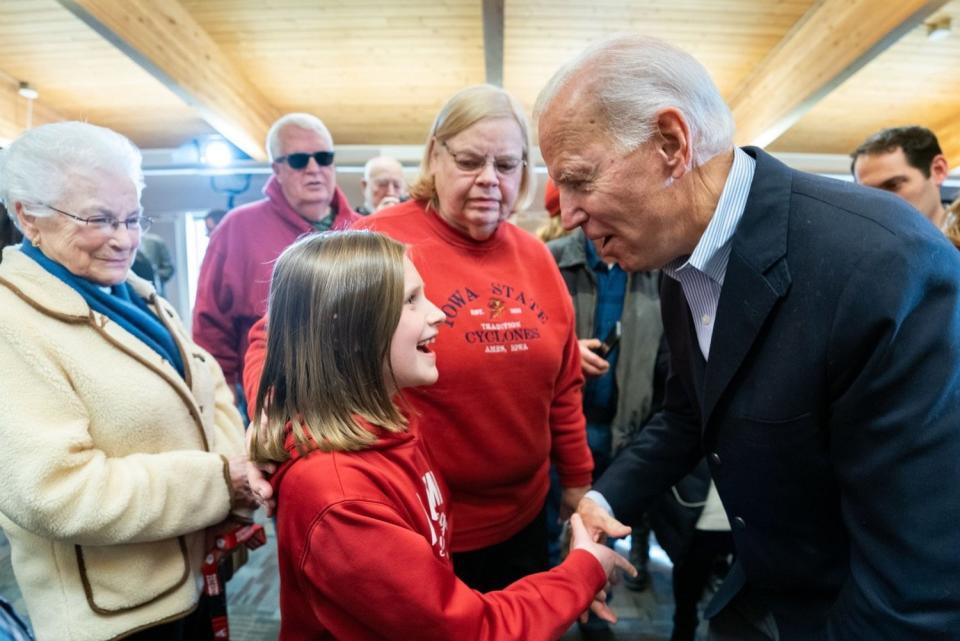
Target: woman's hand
point(241, 496)
point(610, 560)
point(258, 473)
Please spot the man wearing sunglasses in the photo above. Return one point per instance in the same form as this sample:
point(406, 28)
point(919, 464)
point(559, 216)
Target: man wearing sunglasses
point(301, 197)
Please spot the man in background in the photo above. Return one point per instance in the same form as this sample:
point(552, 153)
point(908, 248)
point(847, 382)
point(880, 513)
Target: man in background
point(212, 219)
point(908, 162)
point(301, 197)
point(9, 234)
point(153, 261)
point(383, 184)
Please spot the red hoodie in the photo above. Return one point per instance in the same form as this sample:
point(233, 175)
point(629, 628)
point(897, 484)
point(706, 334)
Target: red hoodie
point(234, 281)
point(363, 544)
point(509, 394)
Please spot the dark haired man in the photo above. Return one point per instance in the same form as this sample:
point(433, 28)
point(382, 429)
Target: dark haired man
point(908, 162)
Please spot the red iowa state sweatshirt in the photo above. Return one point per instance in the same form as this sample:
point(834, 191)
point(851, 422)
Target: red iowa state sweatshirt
point(509, 394)
point(363, 545)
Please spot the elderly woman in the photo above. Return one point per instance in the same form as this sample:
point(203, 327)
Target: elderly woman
point(509, 395)
point(121, 446)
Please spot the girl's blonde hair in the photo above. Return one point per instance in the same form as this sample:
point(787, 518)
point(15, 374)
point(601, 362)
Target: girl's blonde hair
point(335, 302)
point(466, 108)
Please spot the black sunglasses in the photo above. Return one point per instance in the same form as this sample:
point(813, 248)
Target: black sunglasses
point(299, 161)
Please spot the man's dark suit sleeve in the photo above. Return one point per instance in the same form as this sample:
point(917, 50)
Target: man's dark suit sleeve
point(662, 453)
point(894, 430)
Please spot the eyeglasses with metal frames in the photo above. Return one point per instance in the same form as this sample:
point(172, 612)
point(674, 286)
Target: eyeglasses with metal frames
point(109, 224)
point(470, 163)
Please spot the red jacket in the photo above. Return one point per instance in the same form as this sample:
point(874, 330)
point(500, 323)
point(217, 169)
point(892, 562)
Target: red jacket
point(509, 394)
point(363, 545)
point(234, 281)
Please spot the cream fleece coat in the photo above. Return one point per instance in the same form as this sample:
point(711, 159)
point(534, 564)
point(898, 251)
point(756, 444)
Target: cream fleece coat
point(112, 463)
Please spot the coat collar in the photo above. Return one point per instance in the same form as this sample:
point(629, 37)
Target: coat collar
point(757, 275)
point(570, 249)
point(49, 294)
point(343, 215)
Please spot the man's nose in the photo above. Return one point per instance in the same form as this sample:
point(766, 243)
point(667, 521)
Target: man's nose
point(570, 214)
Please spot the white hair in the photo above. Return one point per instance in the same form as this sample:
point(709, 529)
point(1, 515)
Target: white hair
point(380, 161)
point(302, 120)
point(630, 78)
point(39, 166)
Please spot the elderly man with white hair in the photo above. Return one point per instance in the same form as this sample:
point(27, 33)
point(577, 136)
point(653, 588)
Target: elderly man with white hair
point(301, 197)
point(383, 184)
point(814, 331)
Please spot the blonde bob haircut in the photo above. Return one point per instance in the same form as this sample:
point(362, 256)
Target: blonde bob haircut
point(466, 108)
point(335, 303)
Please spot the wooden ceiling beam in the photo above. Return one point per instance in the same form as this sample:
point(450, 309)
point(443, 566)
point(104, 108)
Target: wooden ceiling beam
point(16, 111)
point(164, 39)
point(830, 43)
point(493, 41)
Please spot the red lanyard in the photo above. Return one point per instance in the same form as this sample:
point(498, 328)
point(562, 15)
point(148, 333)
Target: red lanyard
point(252, 536)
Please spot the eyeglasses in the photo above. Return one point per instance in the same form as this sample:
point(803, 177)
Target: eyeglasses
point(384, 183)
point(470, 163)
point(299, 161)
point(107, 225)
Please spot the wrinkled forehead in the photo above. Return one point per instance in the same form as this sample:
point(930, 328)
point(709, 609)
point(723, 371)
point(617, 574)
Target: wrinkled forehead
point(571, 119)
point(96, 184)
point(387, 170)
point(567, 141)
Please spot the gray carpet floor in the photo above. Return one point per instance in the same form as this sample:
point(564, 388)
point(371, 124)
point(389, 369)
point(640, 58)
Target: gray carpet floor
point(254, 613)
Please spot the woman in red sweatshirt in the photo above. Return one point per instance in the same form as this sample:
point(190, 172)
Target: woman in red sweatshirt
point(362, 524)
point(509, 397)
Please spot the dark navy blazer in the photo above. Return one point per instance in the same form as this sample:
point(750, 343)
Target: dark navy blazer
point(829, 412)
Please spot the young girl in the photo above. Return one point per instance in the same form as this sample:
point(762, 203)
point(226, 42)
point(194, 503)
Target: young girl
point(362, 527)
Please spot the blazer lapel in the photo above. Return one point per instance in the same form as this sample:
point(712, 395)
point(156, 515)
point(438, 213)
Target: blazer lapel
point(684, 349)
point(757, 276)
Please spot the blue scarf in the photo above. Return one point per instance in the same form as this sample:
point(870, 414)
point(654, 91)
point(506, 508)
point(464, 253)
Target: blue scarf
point(122, 305)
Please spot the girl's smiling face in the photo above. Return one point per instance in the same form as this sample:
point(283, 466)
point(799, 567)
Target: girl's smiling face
point(411, 359)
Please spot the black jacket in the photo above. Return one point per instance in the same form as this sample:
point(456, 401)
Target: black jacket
point(829, 412)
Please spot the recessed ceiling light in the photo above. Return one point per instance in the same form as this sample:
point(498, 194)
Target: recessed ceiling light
point(27, 91)
point(939, 29)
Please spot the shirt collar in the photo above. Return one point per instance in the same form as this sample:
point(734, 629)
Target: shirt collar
point(712, 252)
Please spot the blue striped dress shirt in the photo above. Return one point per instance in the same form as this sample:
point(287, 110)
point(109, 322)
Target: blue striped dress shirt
point(701, 273)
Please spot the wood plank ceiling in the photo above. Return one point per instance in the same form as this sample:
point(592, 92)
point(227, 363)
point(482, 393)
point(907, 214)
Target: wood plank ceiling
point(802, 75)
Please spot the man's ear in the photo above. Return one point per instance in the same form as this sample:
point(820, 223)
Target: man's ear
point(673, 141)
point(939, 169)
